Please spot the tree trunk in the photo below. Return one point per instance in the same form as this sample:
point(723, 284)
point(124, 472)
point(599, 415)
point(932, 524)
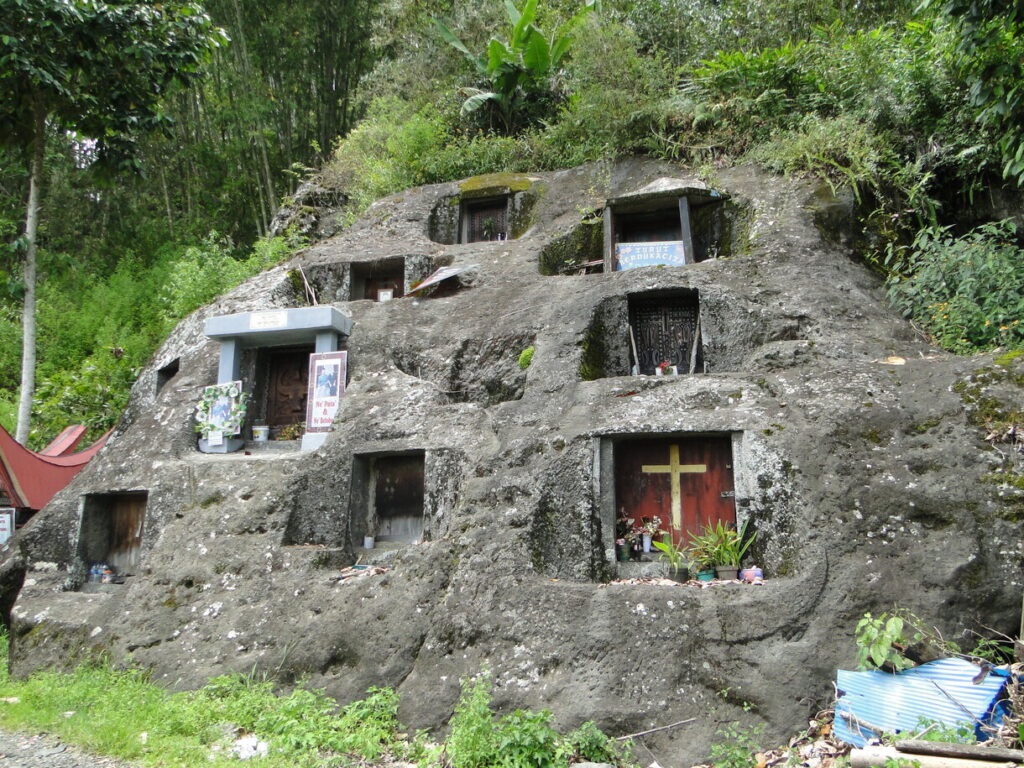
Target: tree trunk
point(28, 311)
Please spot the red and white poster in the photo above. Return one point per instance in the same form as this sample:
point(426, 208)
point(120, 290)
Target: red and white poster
point(327, 372)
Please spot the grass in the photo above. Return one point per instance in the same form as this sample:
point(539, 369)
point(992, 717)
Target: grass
point(121, 713)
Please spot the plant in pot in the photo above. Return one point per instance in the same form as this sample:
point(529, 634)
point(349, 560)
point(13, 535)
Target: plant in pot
point(675, 557)
point(701, 552)
point(730, 547)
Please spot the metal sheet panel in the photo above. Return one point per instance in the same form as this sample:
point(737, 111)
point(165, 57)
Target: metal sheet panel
point(940, 691)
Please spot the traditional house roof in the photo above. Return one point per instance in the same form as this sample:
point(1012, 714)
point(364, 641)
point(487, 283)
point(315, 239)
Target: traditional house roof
point(31, 479)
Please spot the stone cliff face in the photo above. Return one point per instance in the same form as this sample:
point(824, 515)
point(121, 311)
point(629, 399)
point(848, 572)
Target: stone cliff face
point(853, 448)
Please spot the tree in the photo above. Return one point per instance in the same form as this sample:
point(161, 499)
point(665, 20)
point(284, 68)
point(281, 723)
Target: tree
point(519, 70)
point(991, 36)
point(96, 69)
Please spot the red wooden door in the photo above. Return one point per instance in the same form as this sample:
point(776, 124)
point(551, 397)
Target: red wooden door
point(686, 482)
point(288, 386)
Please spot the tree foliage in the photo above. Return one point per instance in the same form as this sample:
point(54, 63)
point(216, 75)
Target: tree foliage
point(520, 71)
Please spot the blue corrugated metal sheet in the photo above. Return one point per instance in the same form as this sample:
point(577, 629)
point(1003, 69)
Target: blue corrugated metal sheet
point(940, 691)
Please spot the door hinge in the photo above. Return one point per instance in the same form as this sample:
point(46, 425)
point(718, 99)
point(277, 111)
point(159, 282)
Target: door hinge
point(728, 494)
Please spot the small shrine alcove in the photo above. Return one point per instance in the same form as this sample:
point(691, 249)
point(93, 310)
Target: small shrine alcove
point(654, 333)
point(487, 208)
point(380, 280)
point(669, 222)
point(680, 482)
point(387, 501)
point(282, 384)
point(484, 220)
point(270, 353)
point(111, 531)
point(665, 336)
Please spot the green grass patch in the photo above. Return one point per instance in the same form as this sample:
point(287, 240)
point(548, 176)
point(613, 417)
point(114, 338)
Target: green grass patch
point(121, 713)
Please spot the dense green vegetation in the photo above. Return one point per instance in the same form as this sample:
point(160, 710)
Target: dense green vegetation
point(121, 713)
point(915, 107)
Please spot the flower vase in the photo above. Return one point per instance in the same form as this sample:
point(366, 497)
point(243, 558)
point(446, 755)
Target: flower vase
point(647, 543)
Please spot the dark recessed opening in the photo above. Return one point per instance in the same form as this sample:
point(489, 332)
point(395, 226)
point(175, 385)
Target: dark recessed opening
point(485, 220)
point(110, 537)
point(397, 501)
point(165, 374)
point(378, 280)
point(665, 335)
point(649, 226)
point(282, 375)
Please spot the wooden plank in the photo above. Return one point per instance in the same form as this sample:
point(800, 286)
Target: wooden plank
point(969, 751)
point(875, 757)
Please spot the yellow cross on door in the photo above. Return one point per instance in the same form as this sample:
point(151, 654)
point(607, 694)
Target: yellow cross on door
point(674, 469)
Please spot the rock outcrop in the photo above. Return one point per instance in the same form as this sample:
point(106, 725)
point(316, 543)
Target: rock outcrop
point(858, 455)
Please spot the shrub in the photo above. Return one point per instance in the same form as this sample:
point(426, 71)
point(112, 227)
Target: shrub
point(472, 739)
point(966, 292)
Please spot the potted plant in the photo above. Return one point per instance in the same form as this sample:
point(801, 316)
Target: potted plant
point(701, 552)
point(675, 557)
point(730, 547)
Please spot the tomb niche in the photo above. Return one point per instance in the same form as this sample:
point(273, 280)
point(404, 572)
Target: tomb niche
point(380, 280)
point(656, 333)
point(669, 222)
point(487, 208)
point(684, 481)
point(269, 352)
point(387, 500)
point(110, 535)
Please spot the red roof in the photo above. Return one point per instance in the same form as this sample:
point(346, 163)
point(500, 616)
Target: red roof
point(31, 479)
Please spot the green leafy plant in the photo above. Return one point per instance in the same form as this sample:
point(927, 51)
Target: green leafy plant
point(526, 357)
point(675, 557)
point(471, 739)
point(881, 642)
point(967, 292)
point(519, 70)
point(720, 544)
point(737, 747)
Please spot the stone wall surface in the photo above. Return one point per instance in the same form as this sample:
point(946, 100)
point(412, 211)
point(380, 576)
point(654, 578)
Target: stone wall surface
point(867, 478)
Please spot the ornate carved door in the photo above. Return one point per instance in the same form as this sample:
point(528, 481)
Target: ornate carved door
point(686, 482)
point(287, 386)
point(666, 331)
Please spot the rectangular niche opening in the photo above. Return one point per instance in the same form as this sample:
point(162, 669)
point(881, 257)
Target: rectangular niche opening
point(649, 226)
point(686, 482)
point(111, 534)
point(665, 231)
point(282, 376)
point(665, 334)
point(484, 220)
point(380, 280)
point(388, 499)
point(166, 373)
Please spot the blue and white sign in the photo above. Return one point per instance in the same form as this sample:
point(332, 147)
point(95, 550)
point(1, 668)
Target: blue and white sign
point(669, 253)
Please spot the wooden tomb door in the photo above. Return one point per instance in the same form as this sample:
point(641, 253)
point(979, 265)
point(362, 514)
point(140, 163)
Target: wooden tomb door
point(666, 331)
point(398, 498)
point(127, 514)
point(686, 482)
point(287, 386)
point(486, 221)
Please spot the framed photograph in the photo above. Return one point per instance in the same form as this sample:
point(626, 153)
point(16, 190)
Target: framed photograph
point(221, 410)
point(327, 372)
